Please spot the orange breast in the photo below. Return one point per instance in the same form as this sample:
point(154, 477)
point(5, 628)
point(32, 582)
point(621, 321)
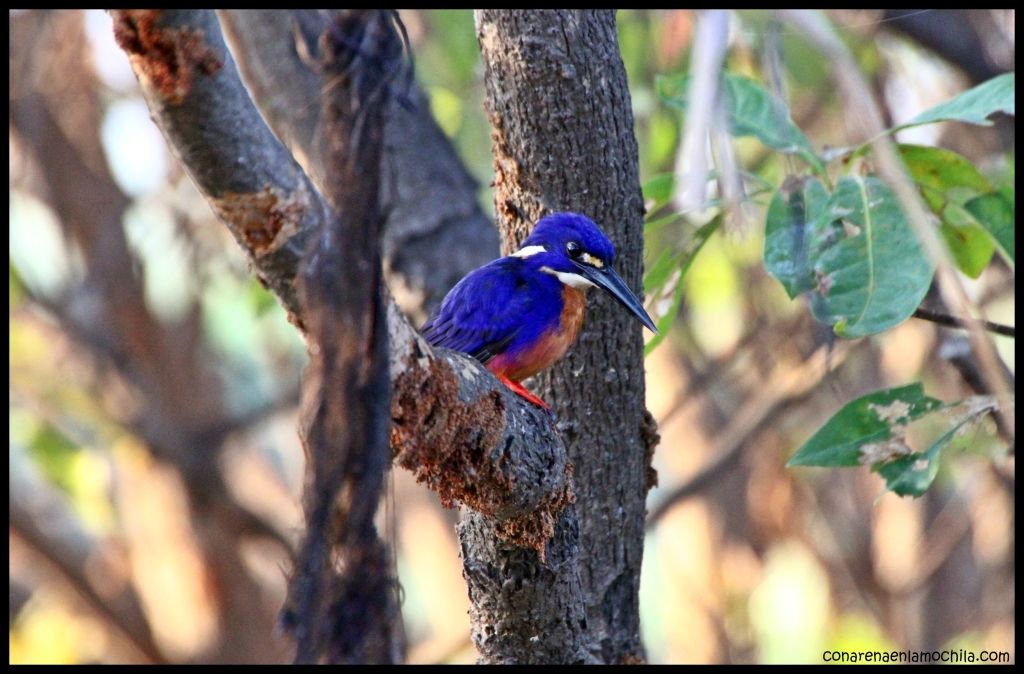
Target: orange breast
point(551, 346)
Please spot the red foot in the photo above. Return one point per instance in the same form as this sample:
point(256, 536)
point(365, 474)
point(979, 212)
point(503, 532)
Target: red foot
point(521, 391)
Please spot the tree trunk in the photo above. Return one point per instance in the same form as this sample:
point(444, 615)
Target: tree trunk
point(453, 424)
point(559, 106)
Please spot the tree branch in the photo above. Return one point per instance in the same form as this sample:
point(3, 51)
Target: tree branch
point(453, 424)
point(248, 177)
point(953, 34)
point(435, 231)
point(345, 613)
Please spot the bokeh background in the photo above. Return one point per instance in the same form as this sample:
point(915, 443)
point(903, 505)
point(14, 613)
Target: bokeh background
point(155, 469)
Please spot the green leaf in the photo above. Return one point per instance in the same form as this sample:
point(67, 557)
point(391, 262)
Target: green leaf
point(752, 110)
point(947, 180)
point(870, 271)
point(797, 204)
point(672, 292)
point(971, 245)
point(973, 106)
point(755, 112)
point(911, 475)
point(657, 190)
point(857, 432)
point(996, 214)
point(942, 170)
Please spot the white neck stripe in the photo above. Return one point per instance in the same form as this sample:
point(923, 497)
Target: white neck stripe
point(528, 251)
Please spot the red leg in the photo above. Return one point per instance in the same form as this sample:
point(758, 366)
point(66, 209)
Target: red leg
point(521, 391)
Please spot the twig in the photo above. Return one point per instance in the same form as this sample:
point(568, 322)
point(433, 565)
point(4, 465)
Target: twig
point(954, 322)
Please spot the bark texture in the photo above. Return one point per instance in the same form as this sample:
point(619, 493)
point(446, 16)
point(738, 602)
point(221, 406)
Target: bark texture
point(562, 131)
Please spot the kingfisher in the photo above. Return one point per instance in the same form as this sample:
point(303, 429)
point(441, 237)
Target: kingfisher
point(519, 314)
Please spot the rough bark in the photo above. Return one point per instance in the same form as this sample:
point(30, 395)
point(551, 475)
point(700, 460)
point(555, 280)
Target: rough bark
point(562, 131)
point(435, 231)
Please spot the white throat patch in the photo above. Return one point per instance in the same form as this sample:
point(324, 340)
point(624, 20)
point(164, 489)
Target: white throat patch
point(528, 251)
point(569, 279)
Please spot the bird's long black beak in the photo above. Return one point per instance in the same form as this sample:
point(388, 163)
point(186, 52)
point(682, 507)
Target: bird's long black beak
point(607, 279)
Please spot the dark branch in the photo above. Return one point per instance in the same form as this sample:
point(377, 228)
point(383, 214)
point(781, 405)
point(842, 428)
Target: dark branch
point(954, 35)
point(344, 613)
point(954, 322)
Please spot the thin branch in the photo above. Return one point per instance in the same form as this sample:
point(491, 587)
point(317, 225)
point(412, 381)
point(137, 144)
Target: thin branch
point(954, 322)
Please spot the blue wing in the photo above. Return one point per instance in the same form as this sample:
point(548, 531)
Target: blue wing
point(494, 308)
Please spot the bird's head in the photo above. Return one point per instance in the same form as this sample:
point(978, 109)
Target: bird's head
point(573, 248)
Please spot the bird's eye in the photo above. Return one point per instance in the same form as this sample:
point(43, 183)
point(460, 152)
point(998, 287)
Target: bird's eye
point(573, 249)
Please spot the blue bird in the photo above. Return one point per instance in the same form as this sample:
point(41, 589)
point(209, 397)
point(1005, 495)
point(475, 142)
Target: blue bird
point(519, 314)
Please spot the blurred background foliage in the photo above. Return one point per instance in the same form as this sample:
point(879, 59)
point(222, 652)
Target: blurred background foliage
point(122, 549)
